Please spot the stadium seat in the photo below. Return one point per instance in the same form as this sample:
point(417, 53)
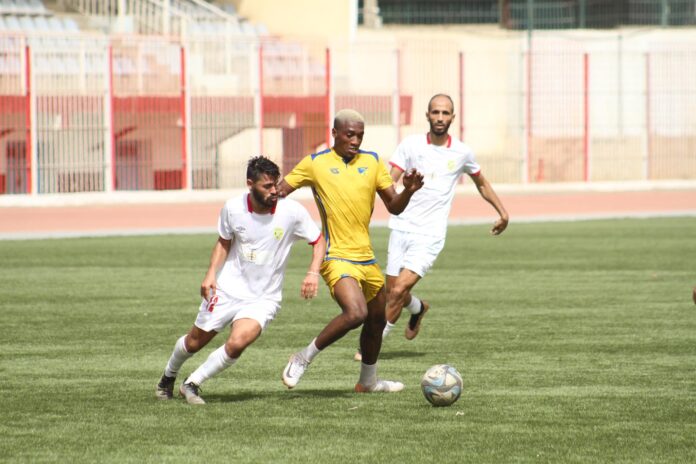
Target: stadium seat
point(54, 24)
point(12, 23)
point(262, 30)
point(248, 28)
point(27, 24)
point(70, 25)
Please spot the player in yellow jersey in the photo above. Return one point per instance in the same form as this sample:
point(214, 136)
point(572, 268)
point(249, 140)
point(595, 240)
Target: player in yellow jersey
point(344, 180)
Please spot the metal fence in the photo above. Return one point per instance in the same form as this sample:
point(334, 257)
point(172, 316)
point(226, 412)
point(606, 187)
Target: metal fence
point(539, 14)
point(82, 112)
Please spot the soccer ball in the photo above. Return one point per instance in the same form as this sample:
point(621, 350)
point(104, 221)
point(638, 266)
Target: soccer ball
point(442, 385)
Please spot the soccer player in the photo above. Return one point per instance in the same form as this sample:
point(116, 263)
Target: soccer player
point(344, 180)
point(242, 287)
point(418, 234)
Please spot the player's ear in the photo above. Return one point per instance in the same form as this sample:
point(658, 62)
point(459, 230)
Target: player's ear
point(333, 132)
point(250, 183)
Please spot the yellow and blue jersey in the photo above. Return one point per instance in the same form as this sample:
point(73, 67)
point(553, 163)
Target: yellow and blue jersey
point(345, 196)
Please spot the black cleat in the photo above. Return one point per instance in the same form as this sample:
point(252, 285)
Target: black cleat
point(414, 322)
point(165, 388)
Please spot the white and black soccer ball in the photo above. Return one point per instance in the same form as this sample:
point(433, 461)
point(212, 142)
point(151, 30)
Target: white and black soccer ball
point(442, 385)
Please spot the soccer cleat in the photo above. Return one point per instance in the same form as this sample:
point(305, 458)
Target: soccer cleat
point(190, 390)
point(165, 388)
point(381, 386)
point(294, 370)
point(414, 322)
point(357, 356)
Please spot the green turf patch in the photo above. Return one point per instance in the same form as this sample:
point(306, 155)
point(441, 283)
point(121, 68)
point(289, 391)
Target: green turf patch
point(576, 341)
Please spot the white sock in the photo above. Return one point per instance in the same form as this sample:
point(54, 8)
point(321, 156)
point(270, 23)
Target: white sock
point(368, 374)
point(310, 352)
point(414, 306)
point(387, 329)
point(217, 362)
point(178, 357)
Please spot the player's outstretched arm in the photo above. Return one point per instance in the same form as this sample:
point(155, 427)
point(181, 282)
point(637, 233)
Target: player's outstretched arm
point(396, 202)
point(217, 259)
point(310, 284)
point(487, 193)
point(284, 189)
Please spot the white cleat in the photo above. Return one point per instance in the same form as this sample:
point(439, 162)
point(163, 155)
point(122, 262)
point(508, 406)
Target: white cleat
point(191, 392)
point(357, 356)
point(294, 370)
point(381, 386)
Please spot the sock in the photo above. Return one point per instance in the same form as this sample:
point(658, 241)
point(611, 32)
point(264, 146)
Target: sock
point(368, 374)
point(217, 362)
point(310, 352)
point(387, 329)
point(178, 357)
point(414, 306)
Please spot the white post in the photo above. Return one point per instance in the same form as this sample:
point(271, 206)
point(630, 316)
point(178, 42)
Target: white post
point(331, 91)
point(108, 123)
point(165, 17)
point(395, 96)
point(187, 112)
point(34, 123)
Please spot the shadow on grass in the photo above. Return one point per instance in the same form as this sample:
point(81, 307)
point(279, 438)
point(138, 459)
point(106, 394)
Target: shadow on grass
point(283, 396)
point(401, 354)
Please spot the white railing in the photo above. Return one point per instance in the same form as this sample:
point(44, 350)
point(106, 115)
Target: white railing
point(168, 17)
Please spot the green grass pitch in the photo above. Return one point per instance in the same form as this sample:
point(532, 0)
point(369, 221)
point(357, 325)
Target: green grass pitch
point(576, 341)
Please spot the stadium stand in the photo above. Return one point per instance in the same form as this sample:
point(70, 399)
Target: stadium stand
point(88, 104)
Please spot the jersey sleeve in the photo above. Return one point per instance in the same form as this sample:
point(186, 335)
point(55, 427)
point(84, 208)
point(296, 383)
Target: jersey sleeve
point(302, 174)
point(384, 180)
point(224, 226)
point(306, 228)
point(398, 159)
point(471, 167)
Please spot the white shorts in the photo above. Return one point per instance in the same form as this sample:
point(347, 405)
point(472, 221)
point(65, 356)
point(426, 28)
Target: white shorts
point(414, 252)
point(222, 310)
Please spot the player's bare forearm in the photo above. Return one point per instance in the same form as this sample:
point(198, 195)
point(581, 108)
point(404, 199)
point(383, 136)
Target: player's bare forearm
point(487, 193)
point(284, 189)
point(399, 202)
point(310, 284)
point(217, 258)
point(396, 202)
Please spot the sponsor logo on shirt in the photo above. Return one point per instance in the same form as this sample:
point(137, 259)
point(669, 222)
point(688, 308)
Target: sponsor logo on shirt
point(362, 170)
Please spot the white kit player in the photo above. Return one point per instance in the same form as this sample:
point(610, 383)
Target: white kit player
point(242, 287)
point(418, 234)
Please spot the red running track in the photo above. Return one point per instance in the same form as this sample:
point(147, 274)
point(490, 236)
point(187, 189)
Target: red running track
point(46, 221)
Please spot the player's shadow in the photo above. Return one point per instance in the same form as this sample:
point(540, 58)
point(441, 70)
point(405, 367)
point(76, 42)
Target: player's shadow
point(281, 395)
point(401, 354)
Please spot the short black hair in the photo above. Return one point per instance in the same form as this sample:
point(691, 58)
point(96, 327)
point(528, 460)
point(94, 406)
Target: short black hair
point(260, 165)
point(430, 102)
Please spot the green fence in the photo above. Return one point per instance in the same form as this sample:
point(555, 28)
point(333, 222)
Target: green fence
point(539, 14)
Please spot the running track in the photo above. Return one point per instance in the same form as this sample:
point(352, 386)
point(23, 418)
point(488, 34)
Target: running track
point(76, 215)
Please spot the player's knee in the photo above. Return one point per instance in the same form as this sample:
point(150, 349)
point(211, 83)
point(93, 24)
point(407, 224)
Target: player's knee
point(397, 293)
point(234, 349)
point(193, 344)
point(354, 317)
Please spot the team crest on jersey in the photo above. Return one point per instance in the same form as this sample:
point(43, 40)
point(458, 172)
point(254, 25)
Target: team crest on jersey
point(362, 170)
point(451, 165)
point(334, 171)
point(278, 233)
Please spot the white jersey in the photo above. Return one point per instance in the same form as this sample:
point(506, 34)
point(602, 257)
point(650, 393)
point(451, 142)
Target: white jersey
point(441, 166)
point(260, 248)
